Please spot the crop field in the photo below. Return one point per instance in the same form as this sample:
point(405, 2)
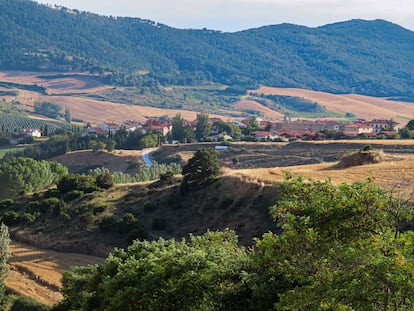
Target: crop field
point(364, 107)
point(36, 272)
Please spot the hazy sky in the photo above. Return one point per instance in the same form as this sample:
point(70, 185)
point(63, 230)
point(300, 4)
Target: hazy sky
point(233, 15)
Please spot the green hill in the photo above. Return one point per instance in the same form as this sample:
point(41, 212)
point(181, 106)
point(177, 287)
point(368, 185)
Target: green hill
point(366, 57)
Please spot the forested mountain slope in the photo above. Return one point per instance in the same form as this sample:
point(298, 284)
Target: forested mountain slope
point(366, 57)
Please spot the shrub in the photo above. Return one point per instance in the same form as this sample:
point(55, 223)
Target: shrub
point(73, 195)
point(10, 218)
point(99, 208)
point(105, 180)
point(33, 206)
point(72, 182)
point(24, 303)
point(28, 217)
point(6, 203)
point(53, 205)
point(51, 193)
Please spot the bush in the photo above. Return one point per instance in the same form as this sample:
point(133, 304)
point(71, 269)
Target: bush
point(53, 206)
point(10, 218)
point(24, 303)
point(72, 182)
point(51, 193)
point(73, 195)
point(33, 206)
point(99, 208)
point(28, 217)
point(105, 180)
point(6, 203)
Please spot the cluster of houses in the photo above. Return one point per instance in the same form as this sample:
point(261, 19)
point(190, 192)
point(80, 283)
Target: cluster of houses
point(305, 129)
point(268, 130)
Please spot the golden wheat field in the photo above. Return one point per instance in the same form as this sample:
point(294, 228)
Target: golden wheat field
point(399, 171)
point(36, 272)
point(364, 107)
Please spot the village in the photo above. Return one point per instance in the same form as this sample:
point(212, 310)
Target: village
point(263, 130)
point(252, 129)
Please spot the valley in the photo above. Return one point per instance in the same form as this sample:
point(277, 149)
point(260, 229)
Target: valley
point(146, 167)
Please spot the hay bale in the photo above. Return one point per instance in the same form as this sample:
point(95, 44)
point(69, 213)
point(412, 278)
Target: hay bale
point(362, 157)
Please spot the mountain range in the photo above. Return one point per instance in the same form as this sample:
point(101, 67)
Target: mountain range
point(356, 56)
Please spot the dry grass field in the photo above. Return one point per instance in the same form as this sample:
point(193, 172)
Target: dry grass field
point(399, 171)
point(80, 83)
point(36, 272)
point(87, 109)
point(365, 107)
point(116, 161)
point(96, 111)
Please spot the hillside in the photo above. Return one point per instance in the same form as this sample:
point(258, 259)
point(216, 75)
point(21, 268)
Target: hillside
point(364, 107)
point(240, 200)
point(365, 57)
point(91, 100)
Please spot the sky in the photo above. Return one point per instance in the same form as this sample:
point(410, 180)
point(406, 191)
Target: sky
point(234, 15)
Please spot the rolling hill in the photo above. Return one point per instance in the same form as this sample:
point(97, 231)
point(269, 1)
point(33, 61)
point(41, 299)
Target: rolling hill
point(357, 56)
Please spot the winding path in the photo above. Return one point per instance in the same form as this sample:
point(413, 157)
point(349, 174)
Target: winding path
point(146, 156)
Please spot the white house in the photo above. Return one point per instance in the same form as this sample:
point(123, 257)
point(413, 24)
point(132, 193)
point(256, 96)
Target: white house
point(31, 132)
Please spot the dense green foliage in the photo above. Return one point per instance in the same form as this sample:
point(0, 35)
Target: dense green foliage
point(28, 175)
point(201, 274)
point(145, 174)
point(290, 103)
point(341, 248)
point(368, 57)
point(202, 168)
point(48, 109)
point(338, 248)
point(203, 127)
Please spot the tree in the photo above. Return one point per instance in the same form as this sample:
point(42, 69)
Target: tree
point(410, 125)
point(340, 249)
point(150, 140)
point(28, 175)
point(252, 125)
point(105, 180)
point(110, 145)
point(405, 133)
point(204, 273)
point(48, 109)
point(203, 126)
point(202, 168)
point(68, 117)
point(178, 128)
